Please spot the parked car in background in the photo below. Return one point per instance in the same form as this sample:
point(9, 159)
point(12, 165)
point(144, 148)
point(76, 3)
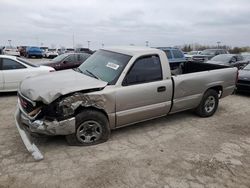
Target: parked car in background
point(85, 50)
point(34, 52)
point(232, 60)
point(175, 56)
point(22, 50)
point(243, 83)
point(44, 49)
point(208, 54)
point(50, 53)
point(69, 50)
point(61, 51)
point(10, 50)
point(67, 61)
point(13, 70)
point(189, 55)
point(246, 56)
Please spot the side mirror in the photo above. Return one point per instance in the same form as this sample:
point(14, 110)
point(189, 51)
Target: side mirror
point(65, 62)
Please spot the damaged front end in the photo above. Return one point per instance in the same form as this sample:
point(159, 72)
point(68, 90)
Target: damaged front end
point(36, 118)
point(57, 118)
point(44, 119)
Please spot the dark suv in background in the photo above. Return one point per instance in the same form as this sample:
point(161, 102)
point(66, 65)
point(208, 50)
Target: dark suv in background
point(67, 61)
point(208, 54)
point(175, 56)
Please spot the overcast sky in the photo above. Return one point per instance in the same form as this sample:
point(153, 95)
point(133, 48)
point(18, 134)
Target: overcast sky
point(116, 22)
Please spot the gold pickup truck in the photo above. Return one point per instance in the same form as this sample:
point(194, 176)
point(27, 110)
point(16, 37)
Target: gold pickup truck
point(113, 88)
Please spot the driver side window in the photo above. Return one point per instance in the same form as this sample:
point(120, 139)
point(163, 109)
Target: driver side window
point(9, 64)
point(145, 69)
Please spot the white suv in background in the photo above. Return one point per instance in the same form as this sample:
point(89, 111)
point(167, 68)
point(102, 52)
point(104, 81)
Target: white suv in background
point(10, 50)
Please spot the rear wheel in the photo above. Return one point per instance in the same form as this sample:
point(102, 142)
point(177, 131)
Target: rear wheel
point(92, 127)
point(209, 104)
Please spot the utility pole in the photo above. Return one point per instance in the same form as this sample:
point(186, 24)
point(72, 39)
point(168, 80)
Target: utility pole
point(73, 40)
point(147, 43)
point(9, 42)
point(218, 43)
point(88, 43)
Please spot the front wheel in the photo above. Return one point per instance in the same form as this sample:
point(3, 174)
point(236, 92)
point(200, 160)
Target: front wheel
point(92, 127)
point(209, 104)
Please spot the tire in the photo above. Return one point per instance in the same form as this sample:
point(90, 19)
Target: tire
point(92, 127)
point(209, 104)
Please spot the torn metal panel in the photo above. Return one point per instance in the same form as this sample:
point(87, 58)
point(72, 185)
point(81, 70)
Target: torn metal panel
point(71, 103)
point(57, 84)
point(64, 127)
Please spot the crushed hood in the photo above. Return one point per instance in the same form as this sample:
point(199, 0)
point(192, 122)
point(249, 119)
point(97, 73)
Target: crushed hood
point(48, 87)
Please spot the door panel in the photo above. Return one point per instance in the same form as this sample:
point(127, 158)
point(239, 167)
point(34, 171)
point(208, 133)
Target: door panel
point(140, 102)
point(1, 80)
point(13, 72)
point(14, 77)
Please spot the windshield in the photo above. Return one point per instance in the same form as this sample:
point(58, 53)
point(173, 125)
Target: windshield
point(223, 58)
point(59, 58)
point(247, 67)
point(105, 65)
point(208, 52)
point(27, 63)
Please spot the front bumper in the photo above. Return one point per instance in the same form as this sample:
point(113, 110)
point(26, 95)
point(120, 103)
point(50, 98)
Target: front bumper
point(26, 126)
point(27, 140)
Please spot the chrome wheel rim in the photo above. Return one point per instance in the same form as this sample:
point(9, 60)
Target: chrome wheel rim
point(89, 132)
point(210, 104)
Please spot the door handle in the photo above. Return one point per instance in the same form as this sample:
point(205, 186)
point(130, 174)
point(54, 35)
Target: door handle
point(161, 89)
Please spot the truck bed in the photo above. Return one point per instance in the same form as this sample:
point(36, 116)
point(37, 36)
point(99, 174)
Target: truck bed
point(192, 67)
point(191, 80)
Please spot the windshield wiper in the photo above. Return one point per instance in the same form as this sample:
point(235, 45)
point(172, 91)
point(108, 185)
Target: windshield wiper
point(92, 74)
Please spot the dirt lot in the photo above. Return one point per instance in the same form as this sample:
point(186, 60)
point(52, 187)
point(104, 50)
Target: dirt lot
point(180, 150)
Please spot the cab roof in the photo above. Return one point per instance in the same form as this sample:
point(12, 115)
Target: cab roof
point(132, 50)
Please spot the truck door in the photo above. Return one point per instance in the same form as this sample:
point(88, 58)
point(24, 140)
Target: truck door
point(144, 93)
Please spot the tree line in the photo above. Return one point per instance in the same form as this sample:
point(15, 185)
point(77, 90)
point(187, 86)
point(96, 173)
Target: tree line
point(198, 47)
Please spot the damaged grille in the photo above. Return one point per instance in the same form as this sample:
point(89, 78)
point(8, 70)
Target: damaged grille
point(26, 105)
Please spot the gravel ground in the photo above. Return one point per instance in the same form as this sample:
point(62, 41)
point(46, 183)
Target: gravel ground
point(180, 150)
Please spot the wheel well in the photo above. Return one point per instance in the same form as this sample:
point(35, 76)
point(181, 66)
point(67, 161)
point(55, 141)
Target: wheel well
point(82, 108)
point(218, 89)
